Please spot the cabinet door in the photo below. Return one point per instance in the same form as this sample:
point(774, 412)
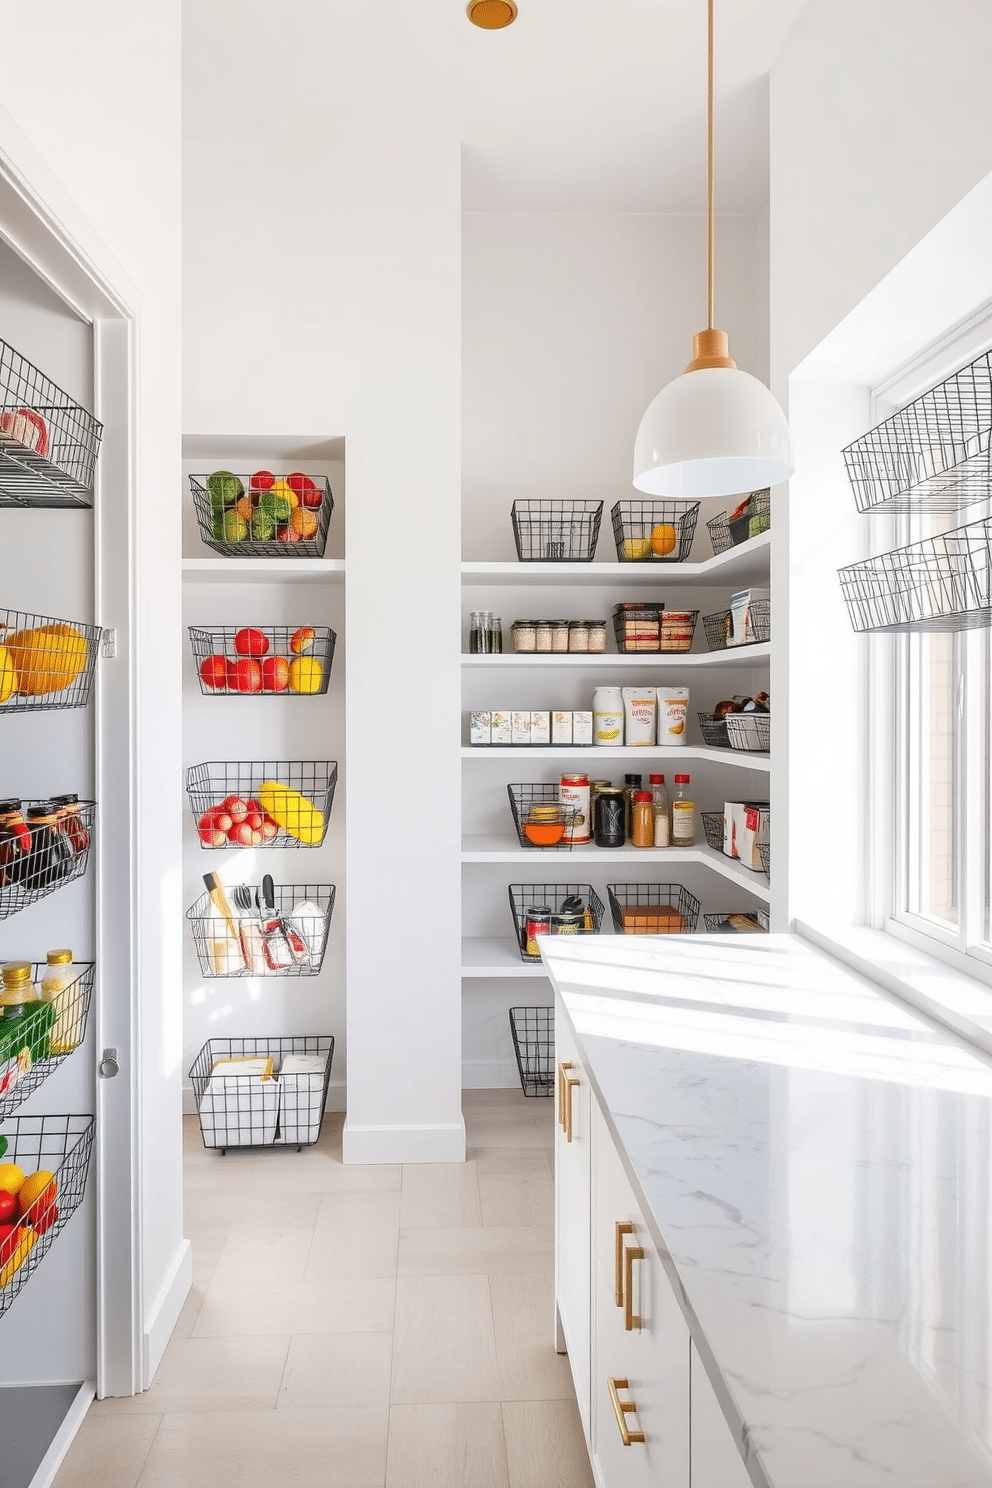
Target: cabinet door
point(715, 1461)
point(572, 1239)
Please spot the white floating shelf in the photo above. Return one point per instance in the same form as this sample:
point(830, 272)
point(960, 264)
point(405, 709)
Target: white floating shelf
point(487, 956)
point(263, 570)
point(746, 563)
point(495, 849)
point(581, 754)
point(736, 656)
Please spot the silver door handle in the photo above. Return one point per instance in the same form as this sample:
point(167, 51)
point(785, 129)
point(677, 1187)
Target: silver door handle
point(109, 1066)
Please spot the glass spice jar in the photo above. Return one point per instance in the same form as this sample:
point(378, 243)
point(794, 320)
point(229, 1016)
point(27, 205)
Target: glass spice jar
point(15, 842)
point(578, 635)
point(560, 630)
point(51, 857)
point(542, 635)
point(597, 635)
point(70, 822)
point(524, 635)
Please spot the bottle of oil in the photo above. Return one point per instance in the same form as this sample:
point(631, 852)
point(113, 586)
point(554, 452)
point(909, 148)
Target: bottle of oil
point(683, 813)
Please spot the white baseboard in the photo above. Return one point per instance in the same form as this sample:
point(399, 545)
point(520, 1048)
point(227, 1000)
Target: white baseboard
point(47, 1469)
point(165, 1311)
point(444, 1142)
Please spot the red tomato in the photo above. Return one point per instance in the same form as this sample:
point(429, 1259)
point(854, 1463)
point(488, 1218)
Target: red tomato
point(8, 1206)
point(251, 642)
point(275, 673)
point(262, 480)
point(214, 671)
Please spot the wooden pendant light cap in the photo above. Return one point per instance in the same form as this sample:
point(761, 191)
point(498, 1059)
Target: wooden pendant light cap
point(710, 348)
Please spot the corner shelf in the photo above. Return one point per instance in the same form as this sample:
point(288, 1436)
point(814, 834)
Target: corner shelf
point(734, 656)
point(745, 563)
point(588, 754)
point(490, 848)
point(263, 570)
point(491, 956)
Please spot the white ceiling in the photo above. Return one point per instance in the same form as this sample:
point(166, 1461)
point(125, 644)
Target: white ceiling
point(600, 105)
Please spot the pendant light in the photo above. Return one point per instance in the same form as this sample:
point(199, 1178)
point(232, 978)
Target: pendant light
point(714, 431)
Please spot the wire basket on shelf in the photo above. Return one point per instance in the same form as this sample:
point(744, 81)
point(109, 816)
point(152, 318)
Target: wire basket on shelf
point(45, 664)
point(637, 627)
point(47, 849)
point(529, 896)
point(541, 820)
point(713, 827)
point(36, 1045)
point(281, 1106)
point(933, 455)
point(737, 922)
point(752, 517)
point(261, 803)
point(293, 947)
point(48, 443)
point(263, 660)
point(765, 854)
point(677, 629)
point(263, 515)
point(750, 732)
point(759, 623)
point(714, 730)
point(551, 531)
point(533, 1030)
point(940, 584)
point(652, 909)
point(653, 529)
point(60, 1145)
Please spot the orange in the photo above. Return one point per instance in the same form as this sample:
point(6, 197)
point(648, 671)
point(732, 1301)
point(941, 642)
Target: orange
point(11, 1177)
point(303, 521)
point(663, 539)
point(37, 1189)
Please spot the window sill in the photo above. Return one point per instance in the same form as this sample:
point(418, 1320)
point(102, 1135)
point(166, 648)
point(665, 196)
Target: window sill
point(960, 1002)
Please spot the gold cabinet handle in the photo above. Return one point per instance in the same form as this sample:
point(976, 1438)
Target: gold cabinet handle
point(631, 1320)
point(622, 1408)
point(562, 1067)
point(570, 1083)
point(623, 1227)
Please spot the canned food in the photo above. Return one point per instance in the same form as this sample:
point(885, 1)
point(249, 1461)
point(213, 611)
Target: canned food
point(573, 792)
point(538, 923)
point(567, 922)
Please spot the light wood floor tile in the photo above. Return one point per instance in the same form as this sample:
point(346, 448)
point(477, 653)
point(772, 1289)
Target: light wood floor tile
point(444, 1349)
point(104, 1438)
point(521, 1162)
point(339, 1369)
point(340, 1448)
point(446, 1446)
point(200, 1374)
point(291, 1305)
point(440, 1194)
point(517, 1199)
point(323, 1174)
point(489, 1248)
point(545, 1447)
point(252, 1258)
point(356, 1234)
point(249, 1208)
point(523, 1322)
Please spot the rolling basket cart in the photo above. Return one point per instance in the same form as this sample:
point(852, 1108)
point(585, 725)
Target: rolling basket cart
point(551, 531)
point(45, 1036)
point(730, 531)
point(654, 529)
point(45, 664)
point(220, 956)
point(296, 823)
point(240, 519)
point(750, 732)
point(537, 811)
point(48, 443)
point(653, 909)
point(305, 673)
point(524, 897)
point(285, 1108)
point(717, 627)
point(57, 857)
point(533, 1030)
point(61, 1145)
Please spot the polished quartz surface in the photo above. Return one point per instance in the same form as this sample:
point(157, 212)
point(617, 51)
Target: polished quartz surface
point(814, 1160)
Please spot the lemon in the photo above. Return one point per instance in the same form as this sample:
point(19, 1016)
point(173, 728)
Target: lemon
point(305, 674)
point(8, 676)
point(24, 1247)
point(636, 548)
point(11, 1177)
point(663, 539)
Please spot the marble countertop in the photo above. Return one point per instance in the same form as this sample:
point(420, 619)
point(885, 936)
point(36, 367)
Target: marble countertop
point(814, 1163)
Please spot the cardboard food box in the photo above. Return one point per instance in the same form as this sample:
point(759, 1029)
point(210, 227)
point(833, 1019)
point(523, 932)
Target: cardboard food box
point(745, 827)
point(480, 729)
point(561, 728)
point(582, 727)
point(650, 919)
point(520, 727)
point(741, 621)
point(501, 729)
point(540, 728)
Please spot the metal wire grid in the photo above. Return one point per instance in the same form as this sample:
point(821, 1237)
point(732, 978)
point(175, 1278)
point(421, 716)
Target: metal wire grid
point(55, 859)
point(266, 681)
point(639, 909)
point(525, 897)
point(533, 1031)
point(722, 924)
point(635, 520)
point(765, 854)
point(243, 1113)
point(61, 1144)
point(934, 454)
point(48, 443)
point(219, 520)
point(551, 531)
point(210, 784)
point(943, 583)
point(717, 627)
point(756, 518)
point(219, 957)
point(55, 1029)
point(713, 827)
point(750, 732)
point(714, 731)
point(525, 797)
point(46, 664)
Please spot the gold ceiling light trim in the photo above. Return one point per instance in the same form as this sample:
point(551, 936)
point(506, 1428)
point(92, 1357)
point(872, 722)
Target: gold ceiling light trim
point(491, 15)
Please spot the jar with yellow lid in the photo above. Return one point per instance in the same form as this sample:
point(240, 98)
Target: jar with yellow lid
point(25, 1021)
point(58, 977)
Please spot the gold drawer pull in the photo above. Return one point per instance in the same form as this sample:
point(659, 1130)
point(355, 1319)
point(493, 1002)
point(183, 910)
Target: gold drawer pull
point(630, 1318)
point(570, 1083)
point(622, 1409)
point(623, 1227)
point(562, 1067)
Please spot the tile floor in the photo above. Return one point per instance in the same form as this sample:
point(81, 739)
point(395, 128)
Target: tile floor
point(373, 1327)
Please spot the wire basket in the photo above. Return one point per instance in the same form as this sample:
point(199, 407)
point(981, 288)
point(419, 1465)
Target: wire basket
point(261, 515)
point(288, 660)
point(45, 663)
point(717, 627)
point(737, 922)
point(765, 854)
point(533, 1030)
point(58, 853)
point(550, 531)
point(636, 524)
point(231, 808)
point(220, 955)
point(940, 584)
point(48, 443)
point(247, 1111)
point(45, 1036)
point(934, 454)
point(714, 730)
point(62, 1146)
point(750, 732)
point(542, 822)
point(713, 827)
point(652, 909)
point(751, 517)
point(637, 627)
point(525, 897)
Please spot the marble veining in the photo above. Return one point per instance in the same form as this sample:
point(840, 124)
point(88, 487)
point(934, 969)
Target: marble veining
point(814, 1164)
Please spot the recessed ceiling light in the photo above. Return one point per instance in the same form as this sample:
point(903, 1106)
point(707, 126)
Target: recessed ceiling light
point(491, 15)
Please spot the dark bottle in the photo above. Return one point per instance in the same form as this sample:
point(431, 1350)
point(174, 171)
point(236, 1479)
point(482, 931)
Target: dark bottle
point(631, 783)
point(609, 829)
point(71, 823)
point(51, 857)
point(15, 843)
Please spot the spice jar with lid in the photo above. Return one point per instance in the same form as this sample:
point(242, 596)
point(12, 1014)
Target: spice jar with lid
point(578, 635)
point(524, 635)
point(70, 822)
point(642, 820)
point(51, 856)
point(597, 635)
point(560, 630)
point(15, 842)
point(542, 635)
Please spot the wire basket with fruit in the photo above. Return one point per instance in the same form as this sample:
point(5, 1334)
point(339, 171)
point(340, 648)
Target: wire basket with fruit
point(655, 530)
point(266, 660)
point(45, 664)
point(44, 1162)
point(749, 518)
point(263, 515)
point(262, 803)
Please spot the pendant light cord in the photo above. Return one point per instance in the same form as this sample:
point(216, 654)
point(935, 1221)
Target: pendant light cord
point(711, 239)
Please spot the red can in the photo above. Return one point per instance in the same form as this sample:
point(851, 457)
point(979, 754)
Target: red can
point(574, 792)
point(538, 923)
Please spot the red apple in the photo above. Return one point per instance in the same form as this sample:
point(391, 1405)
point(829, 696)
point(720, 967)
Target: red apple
point(237, 808)
point(210, 831)
point(262, 480)
point(270, 829)
point(246, 675)
point(302, 640)
point(275, 674)
point(308, 491)
point(214, 671)
point(244, 835)
point(251, 642)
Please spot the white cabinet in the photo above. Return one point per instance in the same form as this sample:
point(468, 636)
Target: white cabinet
point(716, 1462)
point(572, 1217)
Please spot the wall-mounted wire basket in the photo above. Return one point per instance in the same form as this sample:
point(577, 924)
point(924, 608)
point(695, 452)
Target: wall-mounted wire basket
point(241, 516)
point(765, 854)
point(46, 664)
point(540, 819)
point(940, 584)
point(34, 1048)
point(933, 455)
point(48, 443)
point(752, 517)
point(45, 851)
point(231, 808)
point(245, 1111)
point(533, 1032)
point(737, 922)
point(288, 660)
point(305, 909)
point(653, 909)
point(713, 827)
point(718, 631)
point(552, 531)
point(714, 730)
point(62, 1146)
point(529, 896)
point(653, 529)
point(750, 732)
